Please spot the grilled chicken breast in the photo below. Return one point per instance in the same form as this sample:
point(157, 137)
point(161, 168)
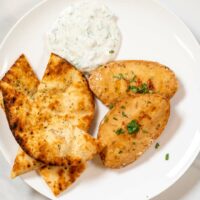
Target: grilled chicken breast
point(131, 127)
point(116, 79)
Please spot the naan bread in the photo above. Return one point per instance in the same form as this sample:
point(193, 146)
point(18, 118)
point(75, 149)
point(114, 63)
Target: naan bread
point(129, 129)
point(60, 178)
point(40, 127)
point(22, 78)
point(116, 79)
point(64, 92)
point(23, 164)
point(57, 178)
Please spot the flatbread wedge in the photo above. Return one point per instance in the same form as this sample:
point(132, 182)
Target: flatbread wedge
point(41, 134)
point(60, 178)
point(23, 164)
point(131, 127)
point(70, 96)
point(22, 78)
point(116, 79)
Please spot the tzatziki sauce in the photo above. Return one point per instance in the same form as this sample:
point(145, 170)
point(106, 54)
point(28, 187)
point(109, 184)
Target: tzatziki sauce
point(85, 34)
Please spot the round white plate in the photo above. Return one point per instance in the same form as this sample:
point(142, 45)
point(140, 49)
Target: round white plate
point(149, 32)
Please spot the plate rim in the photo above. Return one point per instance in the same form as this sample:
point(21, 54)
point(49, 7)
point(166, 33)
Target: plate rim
point(192, 37)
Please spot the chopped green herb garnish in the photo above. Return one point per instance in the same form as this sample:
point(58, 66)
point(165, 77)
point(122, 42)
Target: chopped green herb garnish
point(167, 156)
point(133, 127)
point(142, 89)
point(133, 79)
point(133, 88)
point(119, 131)
point(115, 118)
point(123, 107)
point(124, 114)
point(111, 106)
point(119, 76)
point(106, 119)
point(134, 143)
point(111, 51)
point(157, 145)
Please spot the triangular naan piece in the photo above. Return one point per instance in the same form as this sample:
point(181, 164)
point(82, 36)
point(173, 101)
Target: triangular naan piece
point(66, 93)
point(23, 79)
point(23, 164)
point(60, 178)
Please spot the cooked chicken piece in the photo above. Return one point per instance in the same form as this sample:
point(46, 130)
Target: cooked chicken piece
point(113, 80)
point(129, 129)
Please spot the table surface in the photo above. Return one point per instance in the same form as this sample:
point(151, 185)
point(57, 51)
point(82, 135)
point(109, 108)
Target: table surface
point(186, 188)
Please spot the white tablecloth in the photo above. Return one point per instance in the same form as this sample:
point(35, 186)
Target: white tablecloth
point(187, 188)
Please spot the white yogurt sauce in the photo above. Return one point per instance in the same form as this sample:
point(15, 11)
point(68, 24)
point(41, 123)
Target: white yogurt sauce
point(85, 34)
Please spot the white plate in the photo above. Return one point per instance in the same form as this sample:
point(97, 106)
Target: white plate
point(149, 32)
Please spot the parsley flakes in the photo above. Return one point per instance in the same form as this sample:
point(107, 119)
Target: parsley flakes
point(157, 145)
point(119, 76)
point(133, 127)
point(111, 106)
point(124, 114)
point(142, 89)
point(119, 131)
point(167, 156)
